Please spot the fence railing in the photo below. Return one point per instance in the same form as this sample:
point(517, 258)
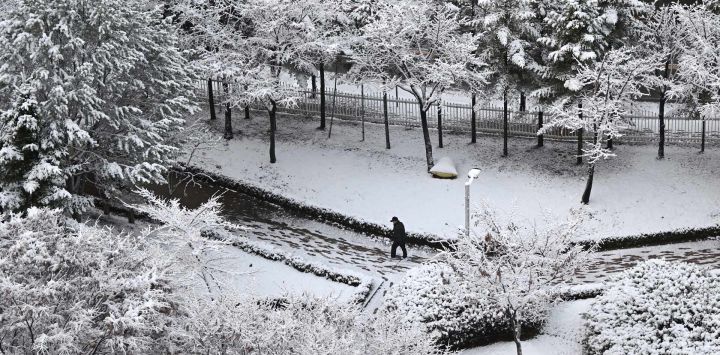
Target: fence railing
point(489, 119)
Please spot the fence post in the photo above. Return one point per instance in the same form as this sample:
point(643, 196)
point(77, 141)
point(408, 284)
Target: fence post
point(385, 117)
point(439, 116)
point(702, 138)
point(473, 125)
point(540, 126)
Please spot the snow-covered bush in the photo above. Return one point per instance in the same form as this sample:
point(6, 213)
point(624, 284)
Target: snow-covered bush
point(298, 325)
point(77, 289)
point(658, 307)
point(435, 299)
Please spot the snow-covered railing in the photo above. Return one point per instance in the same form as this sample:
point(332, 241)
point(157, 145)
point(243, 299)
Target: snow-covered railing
point(489, 119)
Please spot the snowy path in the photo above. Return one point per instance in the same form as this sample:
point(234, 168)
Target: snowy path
point(604, 264)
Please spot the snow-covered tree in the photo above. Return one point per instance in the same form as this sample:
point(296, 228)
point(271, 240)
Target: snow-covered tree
point(181, 233)
point(697, 81)
point(110, 83)
point(30, 173)
point(73, 289)
point(509, 32)
point(578, 32)
point(662, 37)
point(519, 267)
point(606, 90)
point(418, 46)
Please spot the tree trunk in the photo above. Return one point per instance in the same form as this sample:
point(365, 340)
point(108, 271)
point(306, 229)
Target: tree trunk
point(314, 86)
point(439, 116)
point(426, 137)
point(106, 207)
point(362, 111)
point(702, 137)
point(131, 216)
point(473, 124)
point(523, 102)
point(588, 186)
point(211, 99)
point(610, 143)
point(322, 96)
point(661, 114)
point(247, 112)
point(273, 127)
point(228, 122)
point(386, 121)
point(580, 133)
point(505, 125)
point(517, 331)
point(591, 174)
point(579, 158)
point(540, 137)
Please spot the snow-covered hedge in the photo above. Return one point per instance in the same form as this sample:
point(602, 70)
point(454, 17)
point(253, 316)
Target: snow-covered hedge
point(432, 297)
point(657, 307)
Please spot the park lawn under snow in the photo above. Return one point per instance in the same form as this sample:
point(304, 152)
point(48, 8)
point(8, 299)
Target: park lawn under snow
point(633, 193)
point(562, 335)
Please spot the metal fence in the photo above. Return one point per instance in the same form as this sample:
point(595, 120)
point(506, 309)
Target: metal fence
point(457, 117)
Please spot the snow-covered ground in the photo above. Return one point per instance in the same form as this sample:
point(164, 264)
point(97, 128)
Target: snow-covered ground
point(561, 335)
point(633, 193)
point(240, 272)
point(244, 273)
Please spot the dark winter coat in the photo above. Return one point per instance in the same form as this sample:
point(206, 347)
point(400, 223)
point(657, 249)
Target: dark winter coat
point(398, 234)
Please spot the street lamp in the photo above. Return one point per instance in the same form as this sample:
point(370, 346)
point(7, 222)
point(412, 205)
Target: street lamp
point(472, 175)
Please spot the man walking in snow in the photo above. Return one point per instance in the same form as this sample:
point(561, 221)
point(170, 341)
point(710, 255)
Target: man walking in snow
point(398, 237)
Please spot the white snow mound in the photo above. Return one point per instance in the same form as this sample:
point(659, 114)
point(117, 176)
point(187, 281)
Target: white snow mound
point(444, 168)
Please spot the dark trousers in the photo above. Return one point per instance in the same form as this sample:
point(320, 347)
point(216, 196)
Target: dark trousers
point(395, 245)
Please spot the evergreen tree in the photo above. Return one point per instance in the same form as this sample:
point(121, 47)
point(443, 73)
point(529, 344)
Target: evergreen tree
point(509, 32)
point(111, 86)
point(30, 174)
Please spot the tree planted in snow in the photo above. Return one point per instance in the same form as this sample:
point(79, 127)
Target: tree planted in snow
point(697, 80)
point(30, 173)
point(520, 268)
point(418, 46)
point(606, 90)
point(110, 83)
point(509, 32)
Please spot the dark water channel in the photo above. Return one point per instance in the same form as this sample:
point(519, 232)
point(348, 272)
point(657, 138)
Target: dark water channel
point(293, 232)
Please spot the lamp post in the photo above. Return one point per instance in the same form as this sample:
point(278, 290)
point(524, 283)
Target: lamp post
point(472, 175)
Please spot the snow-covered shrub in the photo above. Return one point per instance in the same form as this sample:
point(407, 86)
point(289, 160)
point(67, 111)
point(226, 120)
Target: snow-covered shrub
point(72, 289)
point(435, 299)
point(658, 307)
point(297, 325)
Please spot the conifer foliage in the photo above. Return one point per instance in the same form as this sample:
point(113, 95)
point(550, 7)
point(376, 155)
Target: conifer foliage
point(111, 89)
point(30, 174)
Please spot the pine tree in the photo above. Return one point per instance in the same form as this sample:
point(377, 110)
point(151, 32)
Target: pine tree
point(111, 85)
point(509, 32)
point(30, 175)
